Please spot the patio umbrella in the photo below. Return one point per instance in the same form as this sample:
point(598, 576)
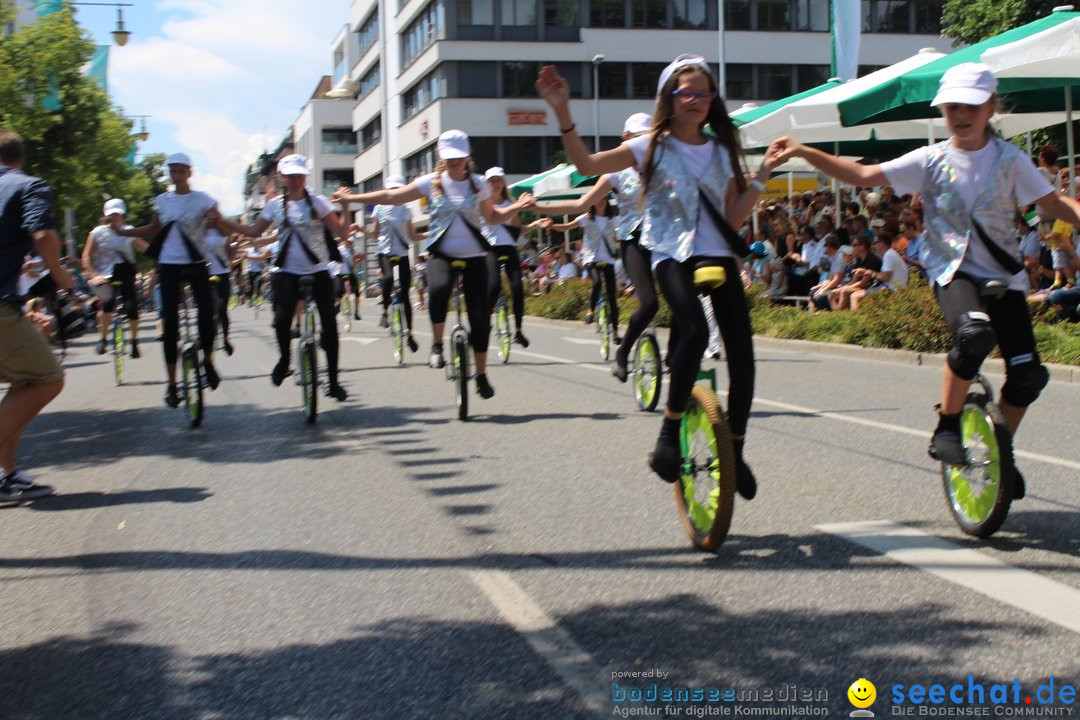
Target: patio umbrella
point(554, 183)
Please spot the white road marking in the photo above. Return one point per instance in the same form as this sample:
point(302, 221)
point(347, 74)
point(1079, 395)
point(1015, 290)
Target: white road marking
point(582, 341)
point(575, 666)
point(1040, 596)
point(361, 340)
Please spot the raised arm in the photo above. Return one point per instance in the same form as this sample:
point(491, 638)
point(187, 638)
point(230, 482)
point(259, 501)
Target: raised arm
point(497, 216)
point(392, 196)
point(847, 171)
point(739, 205)
point(223, 224)
point(556, 91)
point(576, 207)
point(146, 232)
point(563, 227)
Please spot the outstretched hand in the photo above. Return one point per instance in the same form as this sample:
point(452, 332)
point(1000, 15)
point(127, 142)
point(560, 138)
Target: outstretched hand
point(340, 195)
point(781, 150)
point(526, 201)
point(553, 87)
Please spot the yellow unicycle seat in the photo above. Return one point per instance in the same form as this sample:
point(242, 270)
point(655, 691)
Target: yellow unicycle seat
point(709, 274)
point(459, 264)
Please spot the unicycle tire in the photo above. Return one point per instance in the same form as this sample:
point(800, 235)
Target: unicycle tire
point(118, 347)
point(459, 358)
point(648, 373)
point(980, 493)
point(309, 381)
point(502, 331)
point(705, 493)
point(191, 380)
point(397, 333)
point(604, 328)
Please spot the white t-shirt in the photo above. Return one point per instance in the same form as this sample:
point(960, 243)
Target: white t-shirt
point(503, 236)
point(254, 265)
point(110, 249)
point(602, 253)
point(908, 174)
point(170, 206)
point(812, 252)
point(708, 241)
point(296, 260)
point(217, 244)
point(458, 241)
point(841, 259)
point(892, 261)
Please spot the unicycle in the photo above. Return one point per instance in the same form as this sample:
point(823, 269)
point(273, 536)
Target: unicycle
point(117, 333)
point(502, 316)
point(705, 492)
point(603, 320)
point(647, 371)
point(191, 371)
point(346, 307)
point(396, 313)
point(309, 370)
point(979, 494)
point(458, 369)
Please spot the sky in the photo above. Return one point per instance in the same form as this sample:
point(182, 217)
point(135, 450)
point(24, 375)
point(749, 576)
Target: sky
point(222, 80)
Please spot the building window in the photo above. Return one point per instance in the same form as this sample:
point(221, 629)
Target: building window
point(423, 93)
point(689, 14)
point(368, 34)
point(614, 80)
point(739, 78)
point(607, 13)
point(812, 15)
point(339, 65)
point(338, 141)
point(519, 79)
point(523, 154)
point(476, 12)
point(561, 13)
point(810, 76)
point(737, 15)
point(333, 179)
point(476, 79)
point(649, 13)
point(928, 16)
point(420, 163)
point(368, 82)
point(774, 81)
point(422, 32)
point(777, 15)
point(371, 133)
point(518, 12)
point(644, 78)
point(372, 184)
point(902, 16)
point(485, 153)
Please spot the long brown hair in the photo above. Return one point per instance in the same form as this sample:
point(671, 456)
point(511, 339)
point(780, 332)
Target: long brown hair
point(718, 121)
point(440, 168)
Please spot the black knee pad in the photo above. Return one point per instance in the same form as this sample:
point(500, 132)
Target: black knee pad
point(975, 338)
point(1024, 383)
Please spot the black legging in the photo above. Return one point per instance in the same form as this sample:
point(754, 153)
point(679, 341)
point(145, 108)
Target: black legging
point(404, 283)
point(169, 279)
point(125, 274)
point(732, 315)
point(222, 292)
point(254, 284)
point(512, 264)
point(637, 261)
point(440, 278)
point(286, 295)
point(605, 274)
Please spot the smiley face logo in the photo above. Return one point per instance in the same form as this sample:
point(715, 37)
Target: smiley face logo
point(862, 693)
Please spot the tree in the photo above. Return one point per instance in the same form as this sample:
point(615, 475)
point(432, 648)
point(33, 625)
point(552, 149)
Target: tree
point(82, 149)
point(969, 21)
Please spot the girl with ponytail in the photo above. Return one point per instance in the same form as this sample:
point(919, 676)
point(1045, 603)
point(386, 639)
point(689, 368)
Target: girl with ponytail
point(694, 194)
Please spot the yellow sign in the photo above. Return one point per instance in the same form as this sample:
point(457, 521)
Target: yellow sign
point(777, 187)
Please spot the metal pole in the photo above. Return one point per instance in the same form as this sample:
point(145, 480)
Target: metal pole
point(69, 238)
point(836, 188)
point(721, 75)
point(597, 59)
point(1069, 140)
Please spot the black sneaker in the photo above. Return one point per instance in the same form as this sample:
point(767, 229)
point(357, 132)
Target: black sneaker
point(212, 378)
point(621, 369)
point(588, 318)
point(172, 397)
point(413, 347)
point(483, 387)
point(18, 486)
point(1019, 486)
point(135, 350)
point(665, 460)
point(228, 346)
point(279, 373)
point(295, 333)
point(745, 482)
point(521, 339)
point(947, 447)
point(356, 316)
point(383, 322)
point(336, 391)
point(100, 349)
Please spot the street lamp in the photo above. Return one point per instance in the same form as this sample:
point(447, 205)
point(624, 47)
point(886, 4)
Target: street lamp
point(120, 34)
point(597, 59)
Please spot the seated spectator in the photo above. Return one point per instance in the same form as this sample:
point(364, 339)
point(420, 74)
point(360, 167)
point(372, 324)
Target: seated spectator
point(834, 260)
point(893, 273)
point(856, 276)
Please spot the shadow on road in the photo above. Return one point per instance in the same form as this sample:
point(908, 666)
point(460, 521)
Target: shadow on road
point(90, 500)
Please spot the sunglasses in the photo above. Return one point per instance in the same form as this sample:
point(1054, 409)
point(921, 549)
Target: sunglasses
point(689, 96)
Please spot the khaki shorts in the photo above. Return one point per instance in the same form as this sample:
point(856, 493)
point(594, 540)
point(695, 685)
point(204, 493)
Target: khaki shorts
point(25, 356)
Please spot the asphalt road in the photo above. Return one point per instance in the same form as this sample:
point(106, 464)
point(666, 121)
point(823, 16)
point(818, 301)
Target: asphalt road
point(393, 562)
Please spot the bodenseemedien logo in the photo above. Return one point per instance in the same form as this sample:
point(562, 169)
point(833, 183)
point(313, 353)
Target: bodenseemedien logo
point(862, 694)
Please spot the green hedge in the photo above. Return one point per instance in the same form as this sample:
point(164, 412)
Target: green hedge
point(907, 319)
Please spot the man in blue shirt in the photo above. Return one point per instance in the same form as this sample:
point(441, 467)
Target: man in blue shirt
point(26, 362)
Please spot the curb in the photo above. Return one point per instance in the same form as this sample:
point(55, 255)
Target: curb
point(1058, 373)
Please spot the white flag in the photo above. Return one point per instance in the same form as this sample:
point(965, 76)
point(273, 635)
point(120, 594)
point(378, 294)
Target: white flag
point(845, 21)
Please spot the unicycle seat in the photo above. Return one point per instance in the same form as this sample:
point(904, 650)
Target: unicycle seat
point(992, 290)
point(709, 274)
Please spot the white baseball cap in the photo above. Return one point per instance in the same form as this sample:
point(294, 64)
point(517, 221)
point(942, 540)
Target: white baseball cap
point(115, 206)
point(293, 165)
point(494, 172)
point(394, 181)
point(965, 84)
point(637, 124)
point(453, 144)
point(178, 159)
